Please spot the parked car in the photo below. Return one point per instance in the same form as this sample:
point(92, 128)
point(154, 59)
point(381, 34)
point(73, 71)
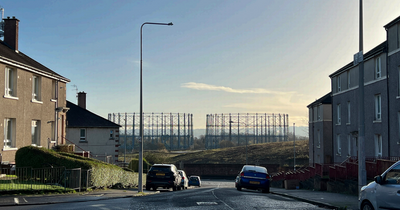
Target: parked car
point(253, 177)
point(163, 175)
point(194, 181)
point(184, 181)
point(383, 193)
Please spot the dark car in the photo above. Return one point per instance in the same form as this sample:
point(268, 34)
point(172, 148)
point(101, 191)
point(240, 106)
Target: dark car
point(253, 177)
point(163, 175)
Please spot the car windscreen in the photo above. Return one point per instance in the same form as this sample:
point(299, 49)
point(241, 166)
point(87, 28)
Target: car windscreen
point(161, 168)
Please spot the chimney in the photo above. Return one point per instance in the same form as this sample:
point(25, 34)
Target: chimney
point(82, 99)
point(11, 28)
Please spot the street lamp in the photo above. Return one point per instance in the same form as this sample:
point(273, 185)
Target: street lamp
point(140, 188)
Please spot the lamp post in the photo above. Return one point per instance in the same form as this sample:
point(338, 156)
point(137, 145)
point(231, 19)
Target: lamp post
point(140, 188)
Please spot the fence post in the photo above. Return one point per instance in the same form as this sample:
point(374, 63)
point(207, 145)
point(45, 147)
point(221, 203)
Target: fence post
point(31, 179)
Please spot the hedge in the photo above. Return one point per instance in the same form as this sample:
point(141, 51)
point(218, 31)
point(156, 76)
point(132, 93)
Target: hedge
point(103, 174)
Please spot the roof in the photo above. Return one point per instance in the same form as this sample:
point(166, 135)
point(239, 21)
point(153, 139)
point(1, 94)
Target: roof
point(19, 59)
point(393, 22)
point(326, 99)
point(78, 117)
point(370, 54)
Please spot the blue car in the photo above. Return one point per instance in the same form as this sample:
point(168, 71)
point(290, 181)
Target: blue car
point(253, 177)
point(194, 181)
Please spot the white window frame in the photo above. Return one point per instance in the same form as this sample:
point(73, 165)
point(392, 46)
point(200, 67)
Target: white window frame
point(378, 145)
point(35, 132)
point(398, 128)
point(338, 117)
point(53, 90)
point(338, 84)
point(10, 86)
point(349, 145)
point(9, 133)
point(339, 145)
point(319, 113)
point(84, 136)
point(378, 107)
point(36, 88)
point(348, 79)
point(348, 113)
point(378, 68)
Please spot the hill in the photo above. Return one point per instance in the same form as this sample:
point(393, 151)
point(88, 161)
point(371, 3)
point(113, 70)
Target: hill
point(267, 153)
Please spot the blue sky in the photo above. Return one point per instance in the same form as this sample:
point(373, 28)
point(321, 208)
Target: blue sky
point(259, 56)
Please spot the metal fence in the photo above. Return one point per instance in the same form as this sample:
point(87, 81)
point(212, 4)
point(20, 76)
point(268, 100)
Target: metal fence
point(54, 178)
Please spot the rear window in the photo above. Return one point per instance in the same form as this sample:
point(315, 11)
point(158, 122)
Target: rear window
point(255, 169)
point(161, 168)
point(193, 178)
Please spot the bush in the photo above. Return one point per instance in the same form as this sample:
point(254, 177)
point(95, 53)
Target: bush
point(103, 174)
point(134, 165)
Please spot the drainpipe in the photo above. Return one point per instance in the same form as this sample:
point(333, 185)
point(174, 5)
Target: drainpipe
point(387, 90)
point(56, 116)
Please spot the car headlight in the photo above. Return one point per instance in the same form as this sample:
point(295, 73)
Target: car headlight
point(363, 188)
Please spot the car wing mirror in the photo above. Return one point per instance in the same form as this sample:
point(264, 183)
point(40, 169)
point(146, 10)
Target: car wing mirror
point(378, 179)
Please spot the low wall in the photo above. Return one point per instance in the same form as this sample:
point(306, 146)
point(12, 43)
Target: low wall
point(220, 170)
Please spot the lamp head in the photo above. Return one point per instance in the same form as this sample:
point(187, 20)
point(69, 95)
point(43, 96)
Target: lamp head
point(170, 24)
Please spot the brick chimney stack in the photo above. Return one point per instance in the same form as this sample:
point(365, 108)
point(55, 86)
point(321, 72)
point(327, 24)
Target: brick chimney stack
point(82, 99)
point(11, 28)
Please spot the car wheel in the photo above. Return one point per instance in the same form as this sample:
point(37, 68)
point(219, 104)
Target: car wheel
point(239, 188)
point(179, 188)
point(265, 190)
point(366, 206)
point(174, 188)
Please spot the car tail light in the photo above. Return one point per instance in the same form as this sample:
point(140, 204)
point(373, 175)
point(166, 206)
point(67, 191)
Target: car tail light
point(183, 177)
point(242, 174)
point(267, 176)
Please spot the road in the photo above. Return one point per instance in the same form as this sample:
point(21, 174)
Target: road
point(219, 195)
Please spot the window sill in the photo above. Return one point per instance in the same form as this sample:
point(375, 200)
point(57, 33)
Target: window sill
point(9, 149)
point(348, 123)
point(339, 124)
point(318, 147)
point(83, 141)
point(397, 97)
point(377, 121)
point(34, 145)
point(53, 100)
point(10, 97)
point(38, 102)
point(338, 154)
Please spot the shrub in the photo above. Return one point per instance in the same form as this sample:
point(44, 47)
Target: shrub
point(103, 174)
point(134, 165)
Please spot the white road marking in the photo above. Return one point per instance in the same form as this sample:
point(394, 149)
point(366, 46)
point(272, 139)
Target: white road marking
point(206, 203)
point(25, 200)
point(221, 200)
point(16, 200)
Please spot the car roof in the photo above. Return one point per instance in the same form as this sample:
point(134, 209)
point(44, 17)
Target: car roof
point(163, 164)
point(255, 168)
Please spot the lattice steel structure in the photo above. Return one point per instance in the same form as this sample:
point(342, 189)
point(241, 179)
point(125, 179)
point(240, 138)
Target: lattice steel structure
point(242, 129)
point(174, 130)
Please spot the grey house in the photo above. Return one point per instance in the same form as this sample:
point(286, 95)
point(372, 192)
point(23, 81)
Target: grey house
point(320, 130)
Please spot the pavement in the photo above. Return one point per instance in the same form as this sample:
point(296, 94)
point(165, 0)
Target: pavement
point(320, 198)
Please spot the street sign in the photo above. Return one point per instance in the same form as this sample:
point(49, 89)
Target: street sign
point(358, 57)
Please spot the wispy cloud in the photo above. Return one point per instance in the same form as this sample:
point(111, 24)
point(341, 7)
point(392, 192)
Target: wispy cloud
point(202, 86)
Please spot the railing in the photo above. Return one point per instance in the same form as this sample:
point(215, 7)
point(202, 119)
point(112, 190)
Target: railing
point(39, 179)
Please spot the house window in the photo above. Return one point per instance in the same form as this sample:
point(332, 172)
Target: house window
point(348, 80)
point(378, 69)
point(35, 132)
point(319, 113)
point(36, 88)
point(9, 133)
point(53, 90)
point(111, 134)
point(349, 145)
point(398, 82)
point(339, 145)
point(338, 115)
point(53, 132)
point(338, 85)
point(348, 112)
point(10, 82)
point(319, 138)
point(378, 145)
point(398, 121)
point(82, 134)
point(378, 108)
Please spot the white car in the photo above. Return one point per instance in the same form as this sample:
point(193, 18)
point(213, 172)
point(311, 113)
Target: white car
point(384, 192)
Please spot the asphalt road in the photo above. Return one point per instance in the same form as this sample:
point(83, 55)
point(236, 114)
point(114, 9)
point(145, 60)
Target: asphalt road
point(219, 195)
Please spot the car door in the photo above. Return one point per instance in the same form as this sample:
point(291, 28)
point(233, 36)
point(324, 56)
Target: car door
point(388, 193)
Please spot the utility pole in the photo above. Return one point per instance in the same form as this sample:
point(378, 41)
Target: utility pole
point(362, 179)
point(294, 147)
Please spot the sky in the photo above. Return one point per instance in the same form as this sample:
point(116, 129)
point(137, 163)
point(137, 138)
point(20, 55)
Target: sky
point(220, 56)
